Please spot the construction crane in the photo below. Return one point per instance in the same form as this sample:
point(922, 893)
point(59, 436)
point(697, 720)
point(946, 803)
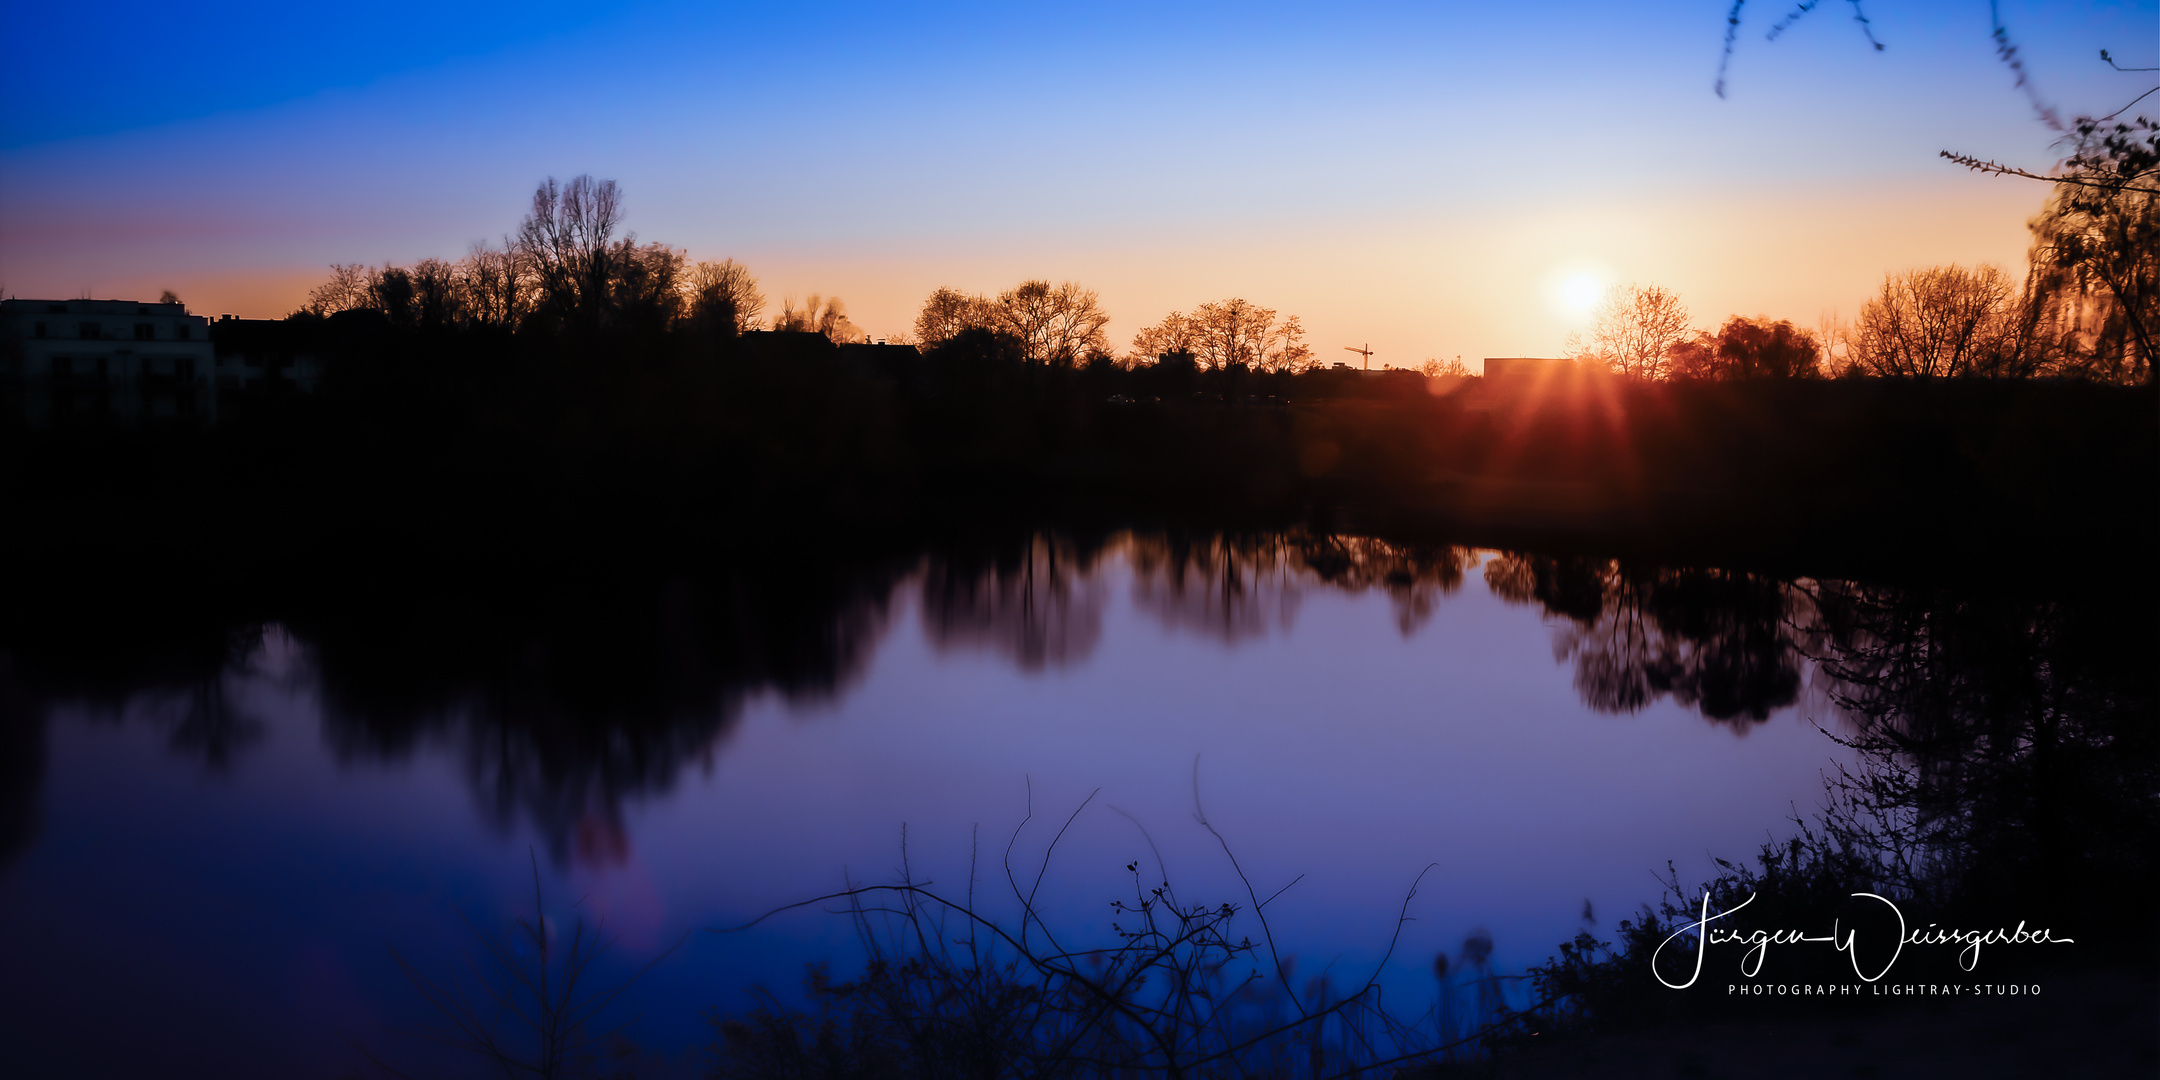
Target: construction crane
point(1365, 352)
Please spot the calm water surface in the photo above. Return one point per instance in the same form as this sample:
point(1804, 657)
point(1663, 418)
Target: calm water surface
point(212, 854)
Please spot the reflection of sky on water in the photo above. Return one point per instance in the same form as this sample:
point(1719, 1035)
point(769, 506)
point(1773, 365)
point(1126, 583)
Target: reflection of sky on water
point(1352, 736)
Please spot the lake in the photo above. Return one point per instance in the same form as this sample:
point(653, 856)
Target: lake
point(221, 834)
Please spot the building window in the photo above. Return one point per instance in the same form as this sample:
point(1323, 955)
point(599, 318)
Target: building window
point(63, 366)
point(145, 331)
point(184, 331)
point(89, 331)
point(185, 366)
point(37, 329)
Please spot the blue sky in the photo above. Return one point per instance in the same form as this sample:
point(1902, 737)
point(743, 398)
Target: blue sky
point(1417, 175)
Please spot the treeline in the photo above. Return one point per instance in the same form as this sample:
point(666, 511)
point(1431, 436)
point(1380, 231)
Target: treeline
point(2086, 309)
point(573, 373)
point(1942, 322)
point(564, 272)
point(450, 438)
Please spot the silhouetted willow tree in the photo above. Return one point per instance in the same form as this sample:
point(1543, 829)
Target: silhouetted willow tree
point(2096, 253)
point(2087, 309)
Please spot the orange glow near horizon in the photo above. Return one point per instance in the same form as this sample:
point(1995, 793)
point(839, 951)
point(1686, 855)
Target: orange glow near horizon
point(1437, 286)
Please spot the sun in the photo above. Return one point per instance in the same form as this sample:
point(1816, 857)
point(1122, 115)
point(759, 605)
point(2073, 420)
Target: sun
point(1581, 292)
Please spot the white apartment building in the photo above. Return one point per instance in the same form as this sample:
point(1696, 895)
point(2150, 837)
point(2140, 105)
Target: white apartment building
point(106, 361)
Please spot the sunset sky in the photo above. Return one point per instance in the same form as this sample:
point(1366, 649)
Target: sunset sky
point(1423, 177)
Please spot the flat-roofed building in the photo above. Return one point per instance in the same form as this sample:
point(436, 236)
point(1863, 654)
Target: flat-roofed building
point(1526, 367)
point(117, 362)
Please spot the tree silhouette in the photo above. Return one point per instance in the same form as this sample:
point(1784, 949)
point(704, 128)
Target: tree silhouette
point(830, 319)
point(2096, 251)
point(1059, 324)
point(1228, 334)
point(724, 296)
point(566, 240)
point(948, 313)
point(1056, 323)
point(391, 292)
point(1434, 368)
point(2090, 290)
point(346, 290)
point(1175, 334)
point(497, 286)
point(1637, 328)
point(1749, 349)
point(436, 298)
point(646, 286)
point(1944, 321)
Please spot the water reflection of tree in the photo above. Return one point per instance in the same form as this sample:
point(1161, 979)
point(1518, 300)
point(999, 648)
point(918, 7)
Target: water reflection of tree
point(22, 763)
point(169, 669)
point(2005, 779)
point(1719, 641)
point(563, 704)
point(2008, 753)
point(1038, 603)
point(1229, 586)
point(204, 720)
point(1236, 586)
point(1415, 576)
point(564, 698)
point(2006, 765)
